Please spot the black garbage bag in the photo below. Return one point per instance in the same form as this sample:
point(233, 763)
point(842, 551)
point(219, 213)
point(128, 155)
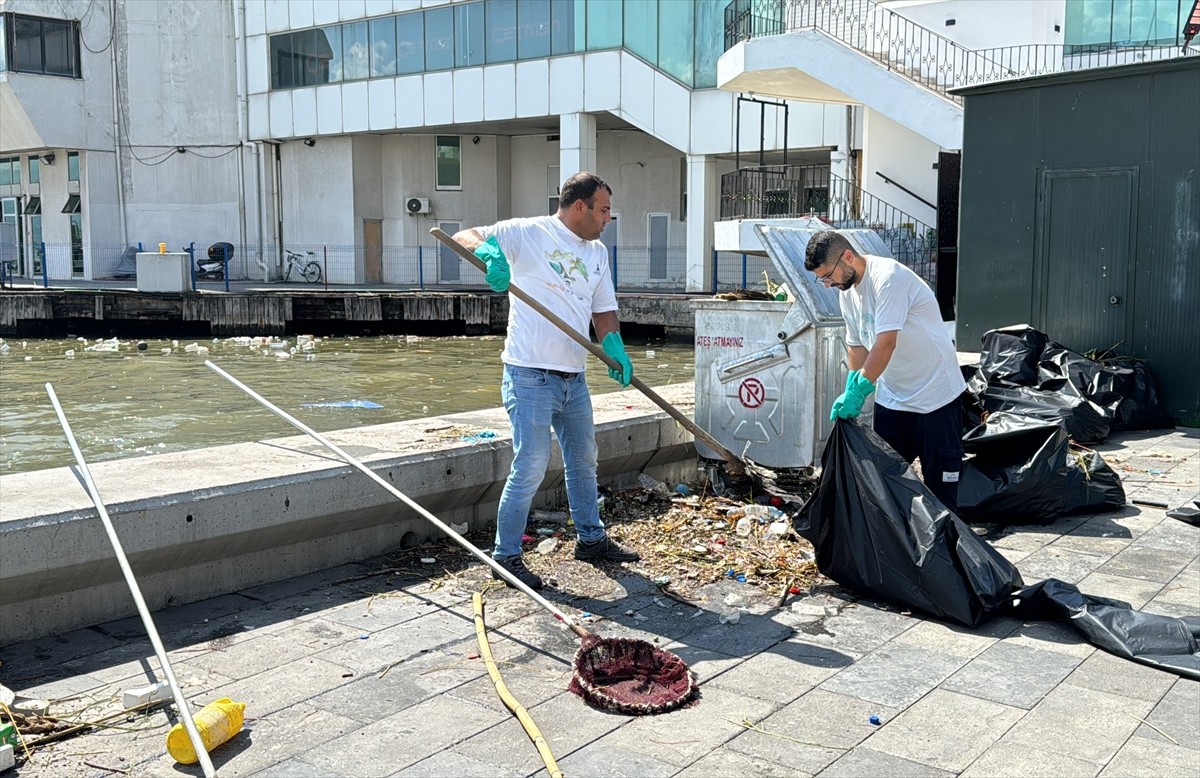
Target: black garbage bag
point(879, 531)
point(1024, 470)
point(1017, 472)
point(1011, 354)
point(1164, 642)
point(1092, 486)
point(972, 411)
point(1142, 407)
point(1067, 372)
point(1084, 421)
point(1187, 513)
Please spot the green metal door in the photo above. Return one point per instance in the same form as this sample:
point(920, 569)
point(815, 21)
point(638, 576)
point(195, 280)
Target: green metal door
point(1086, 236)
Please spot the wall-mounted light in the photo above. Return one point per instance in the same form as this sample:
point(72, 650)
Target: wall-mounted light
point(48, 159)
point(309, 142)
point(475, 140)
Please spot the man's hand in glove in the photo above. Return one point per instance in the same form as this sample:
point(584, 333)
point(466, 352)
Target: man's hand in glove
point(615, 348)
point(498, 274)
point(849, 403)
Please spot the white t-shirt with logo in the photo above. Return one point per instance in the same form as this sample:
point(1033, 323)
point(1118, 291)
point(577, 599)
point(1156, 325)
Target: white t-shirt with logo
point(568, 275)
point(923, 373)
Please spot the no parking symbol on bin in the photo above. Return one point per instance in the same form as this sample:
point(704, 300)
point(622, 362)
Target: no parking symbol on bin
point(751, 393)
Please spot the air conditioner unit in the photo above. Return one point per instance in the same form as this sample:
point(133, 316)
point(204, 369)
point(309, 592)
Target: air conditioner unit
point(417, 205)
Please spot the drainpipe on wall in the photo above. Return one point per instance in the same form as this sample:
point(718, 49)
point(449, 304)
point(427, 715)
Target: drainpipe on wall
point(239, 65)
point(112, 9)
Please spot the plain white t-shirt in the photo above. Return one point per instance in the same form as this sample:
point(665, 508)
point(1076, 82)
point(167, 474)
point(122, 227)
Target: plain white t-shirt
point(565, 273)
point(923, 373)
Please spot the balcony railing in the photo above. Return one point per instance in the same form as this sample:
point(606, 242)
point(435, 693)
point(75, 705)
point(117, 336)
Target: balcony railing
point(932, 60)
point(797, 191)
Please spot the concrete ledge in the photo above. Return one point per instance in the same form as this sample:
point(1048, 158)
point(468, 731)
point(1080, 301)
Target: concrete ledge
point(201, 523)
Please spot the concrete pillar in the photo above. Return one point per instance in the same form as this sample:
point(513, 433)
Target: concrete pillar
point(703, 188)
point(840, 194)
point(576, 144)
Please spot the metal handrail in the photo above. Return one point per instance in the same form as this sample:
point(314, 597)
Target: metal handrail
point(920, 54)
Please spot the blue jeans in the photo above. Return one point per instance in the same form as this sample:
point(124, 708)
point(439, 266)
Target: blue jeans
point(537, 402)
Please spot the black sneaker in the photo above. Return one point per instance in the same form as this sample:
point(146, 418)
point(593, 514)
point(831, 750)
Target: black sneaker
point(516, 566)
point(605, 548)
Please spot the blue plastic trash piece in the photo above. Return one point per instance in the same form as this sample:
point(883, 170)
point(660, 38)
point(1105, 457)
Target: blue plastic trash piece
point(875, 720)
point(730, 573)
point(740, 579)
point(683, 489)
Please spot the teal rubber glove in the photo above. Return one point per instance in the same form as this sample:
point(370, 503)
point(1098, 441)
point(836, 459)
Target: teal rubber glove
point(615, 348)
point(498, 274)
point(849, 404)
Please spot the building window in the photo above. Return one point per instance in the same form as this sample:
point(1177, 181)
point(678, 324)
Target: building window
point(35, 237)
point(37, 45)
point(449, 162)
point(76, 244)
point(468, 35)
point(35, 170)
point(501, 30)
point(34, 206)
point(356, 55)
point(439, 38)
point(10, 171)
point(383, 47)
point(72, 205)
point(72, 165)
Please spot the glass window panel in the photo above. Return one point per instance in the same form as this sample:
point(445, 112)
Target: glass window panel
point(35, 233)
point(564, 37)
point(57, 47)
point(27, 44)
point(383, 47)
point(1122, 21)
point(356, 51)
point(1087, 22)
point(72, 165)
point(3, 44)
point(501, 30)
point(76, 244)
point(533, 29)
point(16, 170)
point(710, 41)
point(676, 37)
point(439, 39)
point(35, 170)
point(5, 172)
point(1165, 22)
point(469, 33)
point(410, 43)
point(449, 162)
point(325, 49)
point(641, 28)
point(604, 24)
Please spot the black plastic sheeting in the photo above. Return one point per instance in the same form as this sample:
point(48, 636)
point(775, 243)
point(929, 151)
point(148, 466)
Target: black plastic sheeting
point(878, 531)
point(1024, 470)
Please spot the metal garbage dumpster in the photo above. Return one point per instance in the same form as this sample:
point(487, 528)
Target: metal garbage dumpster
point(767, 372)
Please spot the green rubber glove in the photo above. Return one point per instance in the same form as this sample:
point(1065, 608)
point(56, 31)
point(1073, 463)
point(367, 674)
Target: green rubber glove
point(615, 348)
point(498, 275)
point(849, 404)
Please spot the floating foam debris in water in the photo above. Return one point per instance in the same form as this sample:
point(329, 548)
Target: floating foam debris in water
point(70, 353)
point(344, 404)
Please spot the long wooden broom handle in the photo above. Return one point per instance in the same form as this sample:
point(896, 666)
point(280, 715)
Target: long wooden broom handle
point(596, 351)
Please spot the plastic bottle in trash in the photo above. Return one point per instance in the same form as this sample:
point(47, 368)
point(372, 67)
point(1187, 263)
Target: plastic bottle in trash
point(743, 526)
point(217, 722)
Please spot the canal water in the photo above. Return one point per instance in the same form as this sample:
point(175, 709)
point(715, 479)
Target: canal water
point(124, 402)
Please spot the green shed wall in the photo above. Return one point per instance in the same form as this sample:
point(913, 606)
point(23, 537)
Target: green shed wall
point(1145, 117)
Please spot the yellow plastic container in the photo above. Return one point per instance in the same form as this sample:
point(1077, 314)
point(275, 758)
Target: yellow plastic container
point(217, 722)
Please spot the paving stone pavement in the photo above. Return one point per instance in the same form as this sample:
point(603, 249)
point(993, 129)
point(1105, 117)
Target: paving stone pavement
point(345, 675)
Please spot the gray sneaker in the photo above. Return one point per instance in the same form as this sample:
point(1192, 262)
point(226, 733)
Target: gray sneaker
point(516, 566)
point(605, 548)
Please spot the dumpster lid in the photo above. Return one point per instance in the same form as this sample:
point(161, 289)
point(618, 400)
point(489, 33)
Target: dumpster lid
point(786, 246)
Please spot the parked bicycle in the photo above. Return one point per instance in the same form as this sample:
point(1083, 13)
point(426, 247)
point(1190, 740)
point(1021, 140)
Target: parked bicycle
point(310, 270)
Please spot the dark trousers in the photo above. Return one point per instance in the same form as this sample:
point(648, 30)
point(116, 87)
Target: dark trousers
point(934, 437)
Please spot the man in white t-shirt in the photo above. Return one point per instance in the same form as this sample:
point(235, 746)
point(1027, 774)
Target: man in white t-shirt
point(897, 344)
point(560, 262)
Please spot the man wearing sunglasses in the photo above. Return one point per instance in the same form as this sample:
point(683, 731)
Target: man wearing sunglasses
point(898, 347)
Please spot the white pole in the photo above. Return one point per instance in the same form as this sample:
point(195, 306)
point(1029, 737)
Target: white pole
point(459, 539)
point(184, 713)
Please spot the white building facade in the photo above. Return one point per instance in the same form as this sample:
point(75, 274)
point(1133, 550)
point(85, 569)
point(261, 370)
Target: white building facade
point(349, 128)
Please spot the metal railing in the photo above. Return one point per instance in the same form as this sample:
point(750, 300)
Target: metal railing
point(797, 191)
point(922, 55)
